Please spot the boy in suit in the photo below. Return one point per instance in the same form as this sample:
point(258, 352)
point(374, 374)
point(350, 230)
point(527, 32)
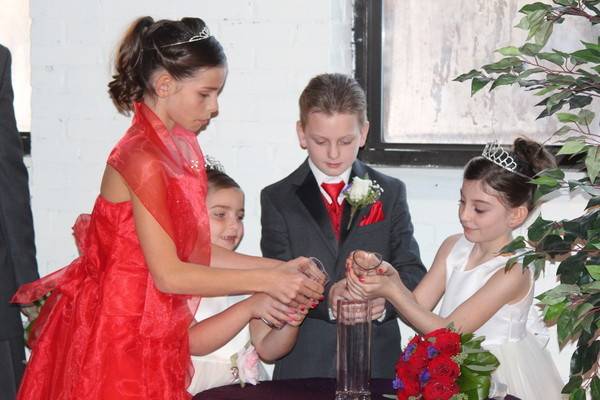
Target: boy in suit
point(305, 214)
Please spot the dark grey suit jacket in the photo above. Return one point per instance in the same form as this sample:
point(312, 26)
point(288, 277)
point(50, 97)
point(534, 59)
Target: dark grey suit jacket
point(17, 248)
point(295, 223)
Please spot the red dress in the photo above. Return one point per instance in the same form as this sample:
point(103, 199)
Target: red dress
point(106, 332)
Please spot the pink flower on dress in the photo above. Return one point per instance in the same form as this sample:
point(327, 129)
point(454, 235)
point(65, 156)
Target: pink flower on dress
point(248, 365)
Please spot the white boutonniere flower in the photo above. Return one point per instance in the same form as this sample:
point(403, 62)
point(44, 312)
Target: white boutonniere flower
point(361, 192)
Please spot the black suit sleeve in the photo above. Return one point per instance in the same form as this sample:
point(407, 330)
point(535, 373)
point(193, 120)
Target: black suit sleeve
point(15, 211)
point(405, 250)
point(274, 242)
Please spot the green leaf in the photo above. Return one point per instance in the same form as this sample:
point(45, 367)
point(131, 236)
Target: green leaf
point(504, 79)
point(545, 181)
point(564, 326)
point(480, 368)
point(555, 173)
point(541, 191)
point(469, 75)
point(539, 266)
point(577, 394)
point(571, 269)
point(552, 312)
point(594, 202)
point(571, 146)
point(562, 131)
point(538, 229)
point(504, 65)
point(523, 23)
point(478, 83)
point(534, 7)
point(562, 290)
point(561, 79)
point(552, 57)
point(555, 99)
point(591, 356)
point(567, 117)
point(516, 244)
point(547, 90)
point(587, 55)
point(509, 51)
point(566, 2)
point(575, 381)
point(529, 72)
point(592, 163)
point(595, 387)
point(586, 117)
point(594, 271)
point(593, 287)
point(531, 50)
point(579, 101)
point(593, 46)
point(543, 32)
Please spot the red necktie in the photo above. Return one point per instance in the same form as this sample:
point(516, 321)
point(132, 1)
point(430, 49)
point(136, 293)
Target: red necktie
point(334, 209)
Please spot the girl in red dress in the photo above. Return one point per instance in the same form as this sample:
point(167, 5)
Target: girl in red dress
point(116, 323)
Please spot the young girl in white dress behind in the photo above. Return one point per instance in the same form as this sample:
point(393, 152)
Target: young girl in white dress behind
point(479, 295)
point(236, 325)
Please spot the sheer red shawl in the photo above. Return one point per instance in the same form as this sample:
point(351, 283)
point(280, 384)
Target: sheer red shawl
point(166, 172)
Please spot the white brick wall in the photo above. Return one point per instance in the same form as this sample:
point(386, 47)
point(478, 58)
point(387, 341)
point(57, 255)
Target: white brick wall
point(274, 47)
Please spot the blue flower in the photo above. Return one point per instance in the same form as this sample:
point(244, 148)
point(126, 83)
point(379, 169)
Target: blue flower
point(432, 352)
point(410, 349)
point(424, 376)
point(397, 384)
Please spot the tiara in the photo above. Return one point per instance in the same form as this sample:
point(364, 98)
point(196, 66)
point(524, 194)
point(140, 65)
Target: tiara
point(502, 158)
point(212, 164)
point(204, 34)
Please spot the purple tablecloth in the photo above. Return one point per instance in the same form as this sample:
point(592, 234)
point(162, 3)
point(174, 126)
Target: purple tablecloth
point(293, 389)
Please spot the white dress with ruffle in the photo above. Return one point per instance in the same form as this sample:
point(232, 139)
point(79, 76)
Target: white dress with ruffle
point(215, 369)
point(526, 368)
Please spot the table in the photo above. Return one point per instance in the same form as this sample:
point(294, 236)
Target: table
point(290, 389)
point(294, 389)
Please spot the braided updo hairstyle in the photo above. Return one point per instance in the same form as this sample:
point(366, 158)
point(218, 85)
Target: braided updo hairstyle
point(515, 189)
point(148, 46)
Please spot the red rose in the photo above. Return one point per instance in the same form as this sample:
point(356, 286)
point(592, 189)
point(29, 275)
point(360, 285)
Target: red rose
point(408, 388)
point(404, 372)
point(445, 341)
point(440, 389)
point(415, 340)
point(418, 360)
point(443, 367)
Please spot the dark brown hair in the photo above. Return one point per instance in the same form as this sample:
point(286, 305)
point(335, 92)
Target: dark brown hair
point(333, 93)
point(515, 190)
point(148, 46)
point(218, 180)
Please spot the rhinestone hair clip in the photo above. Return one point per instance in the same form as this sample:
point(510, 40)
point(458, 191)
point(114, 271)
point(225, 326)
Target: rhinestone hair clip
point(204, 34)
point(502, 158)
point(212, 164)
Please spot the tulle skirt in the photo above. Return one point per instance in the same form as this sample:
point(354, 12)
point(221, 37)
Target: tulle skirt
point(527, 370)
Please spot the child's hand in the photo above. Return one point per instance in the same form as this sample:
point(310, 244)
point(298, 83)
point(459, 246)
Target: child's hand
point(371, 286)
point(272, 312)
point(377, 307)
point(339, 291)
point(289, 283)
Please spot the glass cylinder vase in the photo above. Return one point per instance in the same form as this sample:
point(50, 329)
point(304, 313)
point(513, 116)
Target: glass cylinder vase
point(353, 350)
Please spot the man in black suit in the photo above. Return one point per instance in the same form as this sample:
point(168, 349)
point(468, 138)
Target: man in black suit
point(306, 215)
point(17, 249)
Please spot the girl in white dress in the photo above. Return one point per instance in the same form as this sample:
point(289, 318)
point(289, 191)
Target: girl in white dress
point(239, 326)
point(479, 295)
